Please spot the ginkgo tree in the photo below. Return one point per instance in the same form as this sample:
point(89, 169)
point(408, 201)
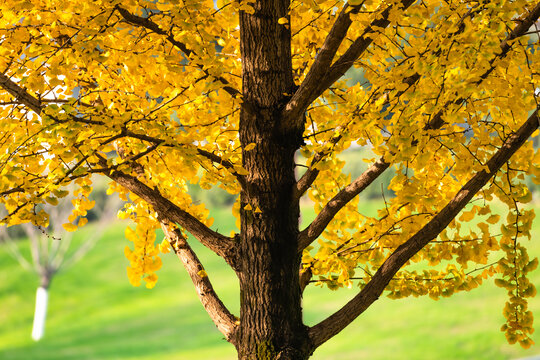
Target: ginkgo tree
point(251, 96)
point(50, 251)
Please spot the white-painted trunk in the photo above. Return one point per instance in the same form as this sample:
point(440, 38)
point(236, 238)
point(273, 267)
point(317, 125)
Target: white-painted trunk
point(40, 313)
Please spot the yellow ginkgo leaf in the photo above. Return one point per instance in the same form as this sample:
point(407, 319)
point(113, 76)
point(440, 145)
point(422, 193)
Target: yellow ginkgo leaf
point(493, 219)
point(69, 227)
point(150, 280)
point(240, 170)
point(467, 216)
point(283, 20)
point(82, 221)
point(51, 200)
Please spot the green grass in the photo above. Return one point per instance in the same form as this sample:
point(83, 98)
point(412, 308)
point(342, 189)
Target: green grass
point(94, 313)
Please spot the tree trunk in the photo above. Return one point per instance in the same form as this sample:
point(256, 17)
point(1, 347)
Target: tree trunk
point(40, 312)
point(271, 324)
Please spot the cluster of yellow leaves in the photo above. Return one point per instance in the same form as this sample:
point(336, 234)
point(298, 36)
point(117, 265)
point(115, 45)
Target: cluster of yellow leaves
point(437, 283)
point(80, 207)
point(144, 259)
point(104, 77)
point(514, 268)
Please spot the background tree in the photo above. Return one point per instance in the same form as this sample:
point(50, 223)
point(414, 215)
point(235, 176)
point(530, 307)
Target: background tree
point(51, 249)
point(239, 94)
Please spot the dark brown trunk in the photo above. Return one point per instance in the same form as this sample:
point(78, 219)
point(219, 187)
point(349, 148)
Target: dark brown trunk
point(271, 324)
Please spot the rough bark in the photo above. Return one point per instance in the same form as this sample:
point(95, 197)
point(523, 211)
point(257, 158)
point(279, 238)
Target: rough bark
point(271, 318)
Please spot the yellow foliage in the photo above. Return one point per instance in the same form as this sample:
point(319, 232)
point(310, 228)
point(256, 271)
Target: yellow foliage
point(69, 227)
point(163, 108)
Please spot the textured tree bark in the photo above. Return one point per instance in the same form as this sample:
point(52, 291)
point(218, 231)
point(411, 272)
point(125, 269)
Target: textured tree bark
point(271, 324)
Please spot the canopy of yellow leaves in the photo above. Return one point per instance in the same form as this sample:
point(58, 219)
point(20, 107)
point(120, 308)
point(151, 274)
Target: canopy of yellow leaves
point(118, 90)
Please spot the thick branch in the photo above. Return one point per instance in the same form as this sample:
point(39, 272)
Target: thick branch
point(371, 292)
point(325, 55)
point(20, 94)
point(521, 29)
point(220, 244)
point(321, 75)
point(305, 277)
point(224, 320)
point(318, 225)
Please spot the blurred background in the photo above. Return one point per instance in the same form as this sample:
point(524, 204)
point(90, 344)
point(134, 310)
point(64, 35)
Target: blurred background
point(94, 313)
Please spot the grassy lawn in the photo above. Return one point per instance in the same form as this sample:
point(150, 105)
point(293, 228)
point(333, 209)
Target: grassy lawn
point(94, 313)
